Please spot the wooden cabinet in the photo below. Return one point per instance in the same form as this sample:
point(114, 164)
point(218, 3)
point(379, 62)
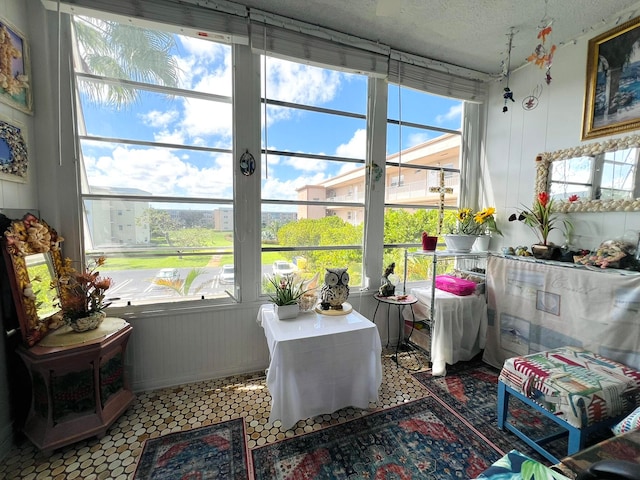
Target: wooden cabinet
point(79, 384)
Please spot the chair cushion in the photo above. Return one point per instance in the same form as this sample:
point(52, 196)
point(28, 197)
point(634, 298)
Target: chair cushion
point(576, 385)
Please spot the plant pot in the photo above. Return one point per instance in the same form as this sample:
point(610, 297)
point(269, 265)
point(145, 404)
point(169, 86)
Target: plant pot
point(429, 244)
point(90, 322)
point(460, 243)
point(287, 312)
point(546, 252)
point(482, 243)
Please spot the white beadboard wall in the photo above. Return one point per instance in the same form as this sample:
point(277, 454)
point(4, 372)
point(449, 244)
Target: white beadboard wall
point(169, 350)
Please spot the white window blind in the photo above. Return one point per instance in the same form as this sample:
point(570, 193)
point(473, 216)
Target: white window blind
point(188, 20)
point(437, 78)
point(288, 39)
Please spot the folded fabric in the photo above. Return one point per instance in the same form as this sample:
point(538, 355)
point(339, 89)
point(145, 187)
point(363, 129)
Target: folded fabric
point(630, 423)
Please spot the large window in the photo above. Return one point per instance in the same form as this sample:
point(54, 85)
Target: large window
point(156, 132)
point(313, 186)
point(422, 168)
point(154, 122)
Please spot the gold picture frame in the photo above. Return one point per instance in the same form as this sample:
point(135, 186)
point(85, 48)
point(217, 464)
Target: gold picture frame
point(610, 105)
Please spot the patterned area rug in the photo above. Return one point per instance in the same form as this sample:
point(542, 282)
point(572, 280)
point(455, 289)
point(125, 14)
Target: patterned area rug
point(471, 389)
point(420, 439)
point(214, 451)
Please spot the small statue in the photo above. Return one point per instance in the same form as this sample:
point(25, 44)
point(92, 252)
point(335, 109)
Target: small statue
point(387, 288)
point(335, 290)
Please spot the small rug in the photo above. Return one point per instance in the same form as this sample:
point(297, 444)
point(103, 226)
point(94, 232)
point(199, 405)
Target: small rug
point(420, 439)
point(214, 451)
point(471, 389)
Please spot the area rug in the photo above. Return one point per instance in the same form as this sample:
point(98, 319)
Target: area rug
point(420, 439)
point(214, 451)
point(471, 389)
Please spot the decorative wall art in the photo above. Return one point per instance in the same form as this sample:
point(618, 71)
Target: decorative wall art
point(13, 152)
point(15, 72)
point(612, 103)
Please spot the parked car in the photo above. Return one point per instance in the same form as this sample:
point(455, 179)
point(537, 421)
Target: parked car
point(167, 274)
point(280, 267)
point(227, 274)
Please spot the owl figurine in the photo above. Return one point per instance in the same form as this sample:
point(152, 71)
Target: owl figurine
point(335, 290)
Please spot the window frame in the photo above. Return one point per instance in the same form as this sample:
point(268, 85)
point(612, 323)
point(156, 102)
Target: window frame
point(246, 137)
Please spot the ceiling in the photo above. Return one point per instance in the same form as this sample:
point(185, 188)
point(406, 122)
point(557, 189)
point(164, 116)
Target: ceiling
point(468, 33)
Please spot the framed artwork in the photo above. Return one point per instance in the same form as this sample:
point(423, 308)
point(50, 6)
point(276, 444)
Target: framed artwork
point(15, 70)
point(612, 101)
point(13, 151)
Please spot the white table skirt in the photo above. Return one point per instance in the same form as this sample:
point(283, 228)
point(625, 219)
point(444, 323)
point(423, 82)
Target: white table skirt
point(459, 328)
point(320, 363)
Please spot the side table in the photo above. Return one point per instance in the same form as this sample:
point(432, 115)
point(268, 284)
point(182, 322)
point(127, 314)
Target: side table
point(79, 383)
point(400, 301)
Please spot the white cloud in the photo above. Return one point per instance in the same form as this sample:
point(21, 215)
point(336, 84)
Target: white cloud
point(203, 117)
point(206, 67)
point(453, 113)
point(164, 136)
point(356, 147)
point(158, 119)
point(417, 138)
point(298, 83)
point(160, 172)
point(273, 187)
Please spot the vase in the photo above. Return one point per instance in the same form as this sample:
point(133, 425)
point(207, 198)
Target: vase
point(546, 252)
point(90, 322)
point(307, 302)
point(482, 243)
point(460, 243)
point(287, 312)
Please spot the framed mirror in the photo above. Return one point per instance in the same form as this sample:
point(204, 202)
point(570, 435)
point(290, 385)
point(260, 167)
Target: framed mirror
point(32, 253)
point(604, 176)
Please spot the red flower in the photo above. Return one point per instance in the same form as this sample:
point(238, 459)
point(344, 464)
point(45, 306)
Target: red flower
point(543, 198)
point(573, 198)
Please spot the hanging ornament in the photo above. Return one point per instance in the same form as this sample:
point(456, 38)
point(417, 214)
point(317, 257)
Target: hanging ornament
point(506, 66)
point(531, 101)
point(542, 55)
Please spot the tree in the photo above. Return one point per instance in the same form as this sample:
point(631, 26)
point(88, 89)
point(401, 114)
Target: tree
point(160, 223)
point(111, 49)
point(183, 287)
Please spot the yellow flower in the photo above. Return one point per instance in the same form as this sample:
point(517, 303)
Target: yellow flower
point(476, 223)
point(483, 215)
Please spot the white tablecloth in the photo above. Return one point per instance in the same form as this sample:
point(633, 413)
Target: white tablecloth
point(320, 363)
point(536, 306)
point(459, 328)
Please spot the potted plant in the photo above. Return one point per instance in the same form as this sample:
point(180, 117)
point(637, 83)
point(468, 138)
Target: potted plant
point(464, 234)
point(82, 295)
point(287, 289)
point(542, 219)
point(487, 226)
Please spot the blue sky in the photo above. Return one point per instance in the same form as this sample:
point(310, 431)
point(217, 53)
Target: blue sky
point(206, 66)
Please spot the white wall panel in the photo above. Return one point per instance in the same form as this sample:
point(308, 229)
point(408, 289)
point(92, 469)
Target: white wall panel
point(515, 138)
point(173, 350)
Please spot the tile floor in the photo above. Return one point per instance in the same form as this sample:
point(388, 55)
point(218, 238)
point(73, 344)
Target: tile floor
point(158, 412)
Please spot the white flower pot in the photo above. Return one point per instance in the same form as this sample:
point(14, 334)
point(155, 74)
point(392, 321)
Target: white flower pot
point(482, 243)
point(286, 312)
point(460, 243)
